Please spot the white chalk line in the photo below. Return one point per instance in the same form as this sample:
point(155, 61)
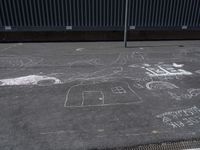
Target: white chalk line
point(10, 47)
point(120, 135)
point(102, 105)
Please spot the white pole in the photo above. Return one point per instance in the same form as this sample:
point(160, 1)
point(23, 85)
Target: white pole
point(125, 24)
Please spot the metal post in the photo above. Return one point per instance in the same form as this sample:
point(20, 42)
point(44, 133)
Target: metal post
point(125, 24)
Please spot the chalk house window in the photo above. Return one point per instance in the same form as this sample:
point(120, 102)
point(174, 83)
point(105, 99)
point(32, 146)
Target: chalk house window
point(118, 90)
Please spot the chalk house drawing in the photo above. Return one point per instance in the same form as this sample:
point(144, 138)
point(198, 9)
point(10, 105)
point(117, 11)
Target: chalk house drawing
point(160, 85)
point(101, 94)
point(166, 70)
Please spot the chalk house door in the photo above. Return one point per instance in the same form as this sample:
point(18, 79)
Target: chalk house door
point(92, 98)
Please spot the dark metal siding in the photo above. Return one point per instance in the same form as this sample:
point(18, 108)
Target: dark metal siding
point(165, 14)
point(63, 15)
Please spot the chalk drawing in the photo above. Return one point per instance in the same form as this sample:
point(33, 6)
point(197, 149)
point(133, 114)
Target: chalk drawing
point(160, 85)
point(197, 71)
point(92, 98)
point(123, 134)
point(11, 47)
point(187, 95)
point(178, 65)
point(28, 80)
point(181, 118)
point(137, 55)
point(139, 65)
point(166, 70)
point(179, 97)
point(80, 49)
point(127, 58)
point(194, 92)
point(121, 60)
point(138, 86)
point(118, 90)
point(147, 65)
point(94, 61)
point(107, 93)
point(15, 61)
point(101, 75)
point(134, 66)
point(117, 69)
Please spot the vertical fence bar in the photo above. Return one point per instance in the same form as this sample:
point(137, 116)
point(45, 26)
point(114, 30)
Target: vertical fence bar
point(125, 24)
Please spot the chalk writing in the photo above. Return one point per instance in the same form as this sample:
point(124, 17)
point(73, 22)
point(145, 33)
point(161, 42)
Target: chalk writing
point(165, 70)
point(181, 118)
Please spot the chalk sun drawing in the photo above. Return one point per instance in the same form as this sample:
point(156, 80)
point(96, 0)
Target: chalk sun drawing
point(28, 80)
point(160, 85)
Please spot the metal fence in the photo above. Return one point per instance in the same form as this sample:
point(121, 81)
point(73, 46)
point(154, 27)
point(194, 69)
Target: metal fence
point(94, 15)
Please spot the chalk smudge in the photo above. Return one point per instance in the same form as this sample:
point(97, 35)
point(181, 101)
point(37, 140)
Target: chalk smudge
point(28, 80)
point(178, 65)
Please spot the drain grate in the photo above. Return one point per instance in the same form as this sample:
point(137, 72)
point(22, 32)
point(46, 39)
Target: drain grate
point(184, 145)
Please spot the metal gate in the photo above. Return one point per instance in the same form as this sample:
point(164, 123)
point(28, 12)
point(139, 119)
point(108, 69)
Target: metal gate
point(94, 15)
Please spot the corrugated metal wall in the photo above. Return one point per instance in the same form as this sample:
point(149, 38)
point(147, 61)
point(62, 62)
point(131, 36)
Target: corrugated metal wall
point(63, 15)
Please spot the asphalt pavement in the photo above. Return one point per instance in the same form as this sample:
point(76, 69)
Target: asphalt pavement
point(60, 96)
